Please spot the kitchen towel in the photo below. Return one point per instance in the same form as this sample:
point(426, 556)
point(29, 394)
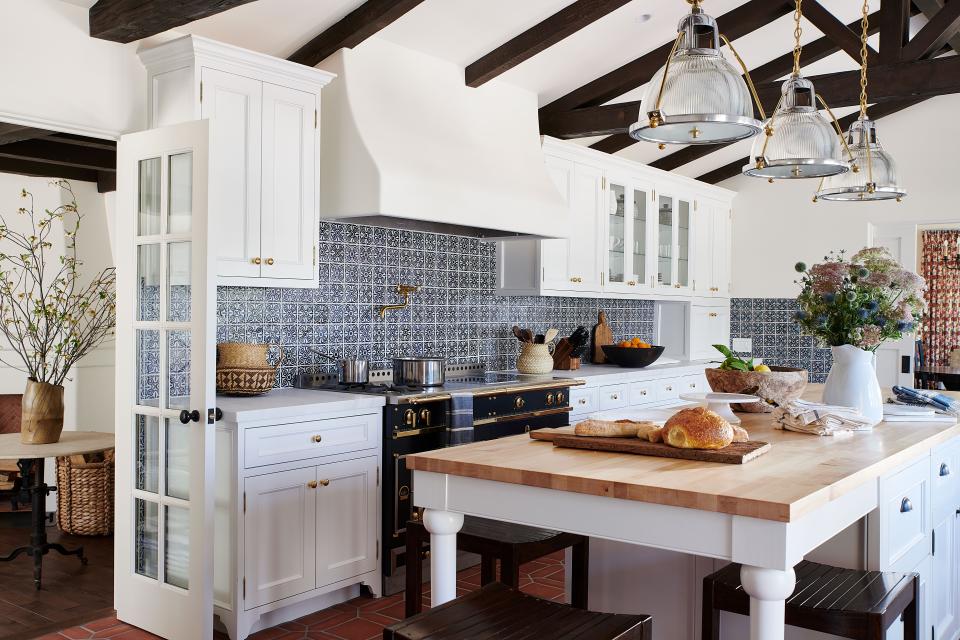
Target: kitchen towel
point(820, 419)
point(924, 397)
point(460, 430)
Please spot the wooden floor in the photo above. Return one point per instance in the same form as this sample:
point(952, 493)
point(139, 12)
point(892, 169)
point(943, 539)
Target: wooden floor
point(76, 602)
point(71, 594)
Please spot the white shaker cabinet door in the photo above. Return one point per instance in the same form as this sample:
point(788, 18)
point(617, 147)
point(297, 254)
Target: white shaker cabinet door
point(279, 535)
point(347, 522)
point(289, 206)
point(233, 104)
point(555, 254)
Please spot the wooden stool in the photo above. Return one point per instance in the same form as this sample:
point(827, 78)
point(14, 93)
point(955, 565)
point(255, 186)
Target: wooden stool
point(498, 611)
point(512, 544)
point(844, 602)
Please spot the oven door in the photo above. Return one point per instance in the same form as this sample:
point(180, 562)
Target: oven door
point(514, 425)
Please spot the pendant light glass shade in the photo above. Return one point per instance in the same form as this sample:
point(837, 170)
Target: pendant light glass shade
point(876, 178)
point(799, 141)
point(697, 97)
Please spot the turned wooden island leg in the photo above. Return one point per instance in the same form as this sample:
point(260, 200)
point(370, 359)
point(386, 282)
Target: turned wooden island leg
point(443, 527)
point(768, 590)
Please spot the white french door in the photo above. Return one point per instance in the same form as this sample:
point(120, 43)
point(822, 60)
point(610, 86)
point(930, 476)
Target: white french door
point(895, 359)
point(165, 397)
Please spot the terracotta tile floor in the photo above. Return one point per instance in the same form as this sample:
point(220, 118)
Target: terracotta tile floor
point(359, 619)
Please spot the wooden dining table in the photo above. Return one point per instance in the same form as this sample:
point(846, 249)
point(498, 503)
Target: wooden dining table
point(766, 514)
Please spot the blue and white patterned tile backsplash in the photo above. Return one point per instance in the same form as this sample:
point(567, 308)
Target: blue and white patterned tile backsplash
point(776, 337)
point(455, 314)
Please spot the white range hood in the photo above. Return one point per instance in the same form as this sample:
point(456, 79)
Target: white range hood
point(405, 143)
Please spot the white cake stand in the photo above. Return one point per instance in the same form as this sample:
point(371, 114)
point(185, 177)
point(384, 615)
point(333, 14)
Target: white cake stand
point(720, 403)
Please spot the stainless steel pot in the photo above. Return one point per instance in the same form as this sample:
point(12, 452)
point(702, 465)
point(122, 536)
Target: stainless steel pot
point(419, 372)
point(351, 371)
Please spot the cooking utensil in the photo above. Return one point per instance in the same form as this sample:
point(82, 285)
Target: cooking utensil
point(527, 335)
point(550, 335)
point(419, 372)
point(351, 371)
point(518, 333)
point(540, 339)
point(602, 335)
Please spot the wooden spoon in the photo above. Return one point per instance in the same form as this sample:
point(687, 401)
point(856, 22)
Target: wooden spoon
point(550, 335)
point(527, 335)
point(518, 333)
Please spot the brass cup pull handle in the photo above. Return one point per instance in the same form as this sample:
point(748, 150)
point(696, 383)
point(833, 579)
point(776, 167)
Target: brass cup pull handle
point(576, 279)
point(944, 469)
point(269, 261)
point(324, 483)
point(312, 484)
point(712, 315)
point(906, 506)
point(317, 438)
point(256, 260)
point(632, 283)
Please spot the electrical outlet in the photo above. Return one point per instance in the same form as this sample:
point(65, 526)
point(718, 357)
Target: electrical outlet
point(743, 345)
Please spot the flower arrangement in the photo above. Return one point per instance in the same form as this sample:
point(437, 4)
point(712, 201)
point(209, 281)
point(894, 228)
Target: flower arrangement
point(861, 301)
point(49, 316)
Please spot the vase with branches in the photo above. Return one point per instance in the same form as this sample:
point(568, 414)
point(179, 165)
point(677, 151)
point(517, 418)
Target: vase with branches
point(51, 313)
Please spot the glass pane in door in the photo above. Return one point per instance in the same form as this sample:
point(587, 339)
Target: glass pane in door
point(181, 193)
point(176, 557)
point(148, 282)
point(148, 367)
point(617, 237)
point(683, 243)
point(177, 463)
point(146, 546)
point(148, 450)
point(178, 281)
point(640, 235)
point(665, 241)
point(148, 217)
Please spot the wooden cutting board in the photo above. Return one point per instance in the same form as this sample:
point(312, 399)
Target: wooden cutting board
point(602, 334)
point(735, 453)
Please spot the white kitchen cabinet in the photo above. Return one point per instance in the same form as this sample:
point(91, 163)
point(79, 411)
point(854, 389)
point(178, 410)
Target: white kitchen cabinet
point(347, 499)
point(709, 325)
point(264, 185)
point(636, 233)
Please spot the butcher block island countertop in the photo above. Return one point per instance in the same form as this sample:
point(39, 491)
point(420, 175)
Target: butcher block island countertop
point(799, 474)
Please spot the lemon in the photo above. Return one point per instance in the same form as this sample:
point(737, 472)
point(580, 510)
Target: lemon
point(762, 368)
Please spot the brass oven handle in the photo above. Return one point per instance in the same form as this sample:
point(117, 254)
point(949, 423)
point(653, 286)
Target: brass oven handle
point(416, 432)
point(523, 416)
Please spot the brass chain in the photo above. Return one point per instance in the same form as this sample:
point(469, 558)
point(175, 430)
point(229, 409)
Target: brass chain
point(797, 32)
point(864, 29)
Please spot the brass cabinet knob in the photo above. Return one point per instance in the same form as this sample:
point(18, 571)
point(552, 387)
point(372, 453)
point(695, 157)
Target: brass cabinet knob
point(712, 314)
point(312, 484)
point(269, 261)
point(256, 260)
point(550, 399)
point(519, 402)
point(632, 283)
point(324, 483)
point(576, 279)
point(317, 438)
point(582, 401)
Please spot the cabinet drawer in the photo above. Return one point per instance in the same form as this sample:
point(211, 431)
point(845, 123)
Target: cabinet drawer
point(613, 396)
point(643, 392)
point(945, 481)
point(905, 516)
point(669, 389)
point(302, 440)
point(584, 400)
point(694, 384)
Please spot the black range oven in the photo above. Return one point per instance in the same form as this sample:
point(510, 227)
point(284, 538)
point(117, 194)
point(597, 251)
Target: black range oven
point(416, 425)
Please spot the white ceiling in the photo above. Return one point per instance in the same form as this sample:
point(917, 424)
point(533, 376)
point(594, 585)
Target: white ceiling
point(461, 31)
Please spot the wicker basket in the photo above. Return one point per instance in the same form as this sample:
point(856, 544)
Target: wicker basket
point(245, 381)
point(241, 355)
point(85, 495)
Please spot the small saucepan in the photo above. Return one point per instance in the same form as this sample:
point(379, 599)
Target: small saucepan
point(351, 371)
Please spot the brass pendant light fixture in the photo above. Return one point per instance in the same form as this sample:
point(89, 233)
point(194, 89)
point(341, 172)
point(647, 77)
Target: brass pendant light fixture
point(877, 179)
point(798, 142)
point(698, 97)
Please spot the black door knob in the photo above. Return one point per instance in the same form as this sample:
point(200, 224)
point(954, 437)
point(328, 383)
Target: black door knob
point(187, 416)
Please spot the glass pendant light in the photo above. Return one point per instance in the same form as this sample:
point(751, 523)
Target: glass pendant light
point(698, 97)
point(798, 142)
point(877, 178)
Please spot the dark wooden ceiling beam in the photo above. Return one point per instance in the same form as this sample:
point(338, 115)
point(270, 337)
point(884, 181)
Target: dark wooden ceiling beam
point(888, 83)
point(614, 143)
point(929, 8)
point(354, 28)
point(736, 23)
point(82, 141)
point(943, 26)
point(846, 37)
point(537, 38)
point(894, 29)
point(16, 132)
point(129, 20)
point(52, 152)
point(46, 170)
point(734, 168)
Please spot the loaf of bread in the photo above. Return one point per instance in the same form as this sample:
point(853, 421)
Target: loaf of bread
point(697, 428)
point(606, 428)
point(740, 434)
point(650, 431)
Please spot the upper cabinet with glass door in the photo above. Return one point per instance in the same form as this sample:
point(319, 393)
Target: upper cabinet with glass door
point(264, 154)
point(637, 234)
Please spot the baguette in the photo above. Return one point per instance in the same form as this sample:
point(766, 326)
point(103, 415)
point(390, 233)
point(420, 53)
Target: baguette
point(740, 434)
point(606, 429)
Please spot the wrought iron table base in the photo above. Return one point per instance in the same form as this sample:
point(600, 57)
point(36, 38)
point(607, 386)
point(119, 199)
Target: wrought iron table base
point(38, 547)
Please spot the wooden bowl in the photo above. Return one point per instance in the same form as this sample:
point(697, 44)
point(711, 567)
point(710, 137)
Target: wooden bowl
point(776, 387)
point(630, 356)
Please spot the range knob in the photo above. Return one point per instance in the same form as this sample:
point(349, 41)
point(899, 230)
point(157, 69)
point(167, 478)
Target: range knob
point(410, 417)
point(519, 402)
point(550, 399)
point(560, 397)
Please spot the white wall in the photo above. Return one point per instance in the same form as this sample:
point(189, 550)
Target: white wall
point(776, 225)
point(88, 395)
point(52, 70)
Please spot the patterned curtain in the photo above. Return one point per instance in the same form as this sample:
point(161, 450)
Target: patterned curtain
point(941, 328)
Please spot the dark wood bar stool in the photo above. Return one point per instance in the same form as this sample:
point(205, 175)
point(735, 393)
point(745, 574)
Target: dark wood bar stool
point(844, 602)
point(512, 544)
point(499, 611)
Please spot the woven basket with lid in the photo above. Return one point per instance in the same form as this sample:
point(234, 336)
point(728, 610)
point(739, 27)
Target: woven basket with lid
point(240, 355)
